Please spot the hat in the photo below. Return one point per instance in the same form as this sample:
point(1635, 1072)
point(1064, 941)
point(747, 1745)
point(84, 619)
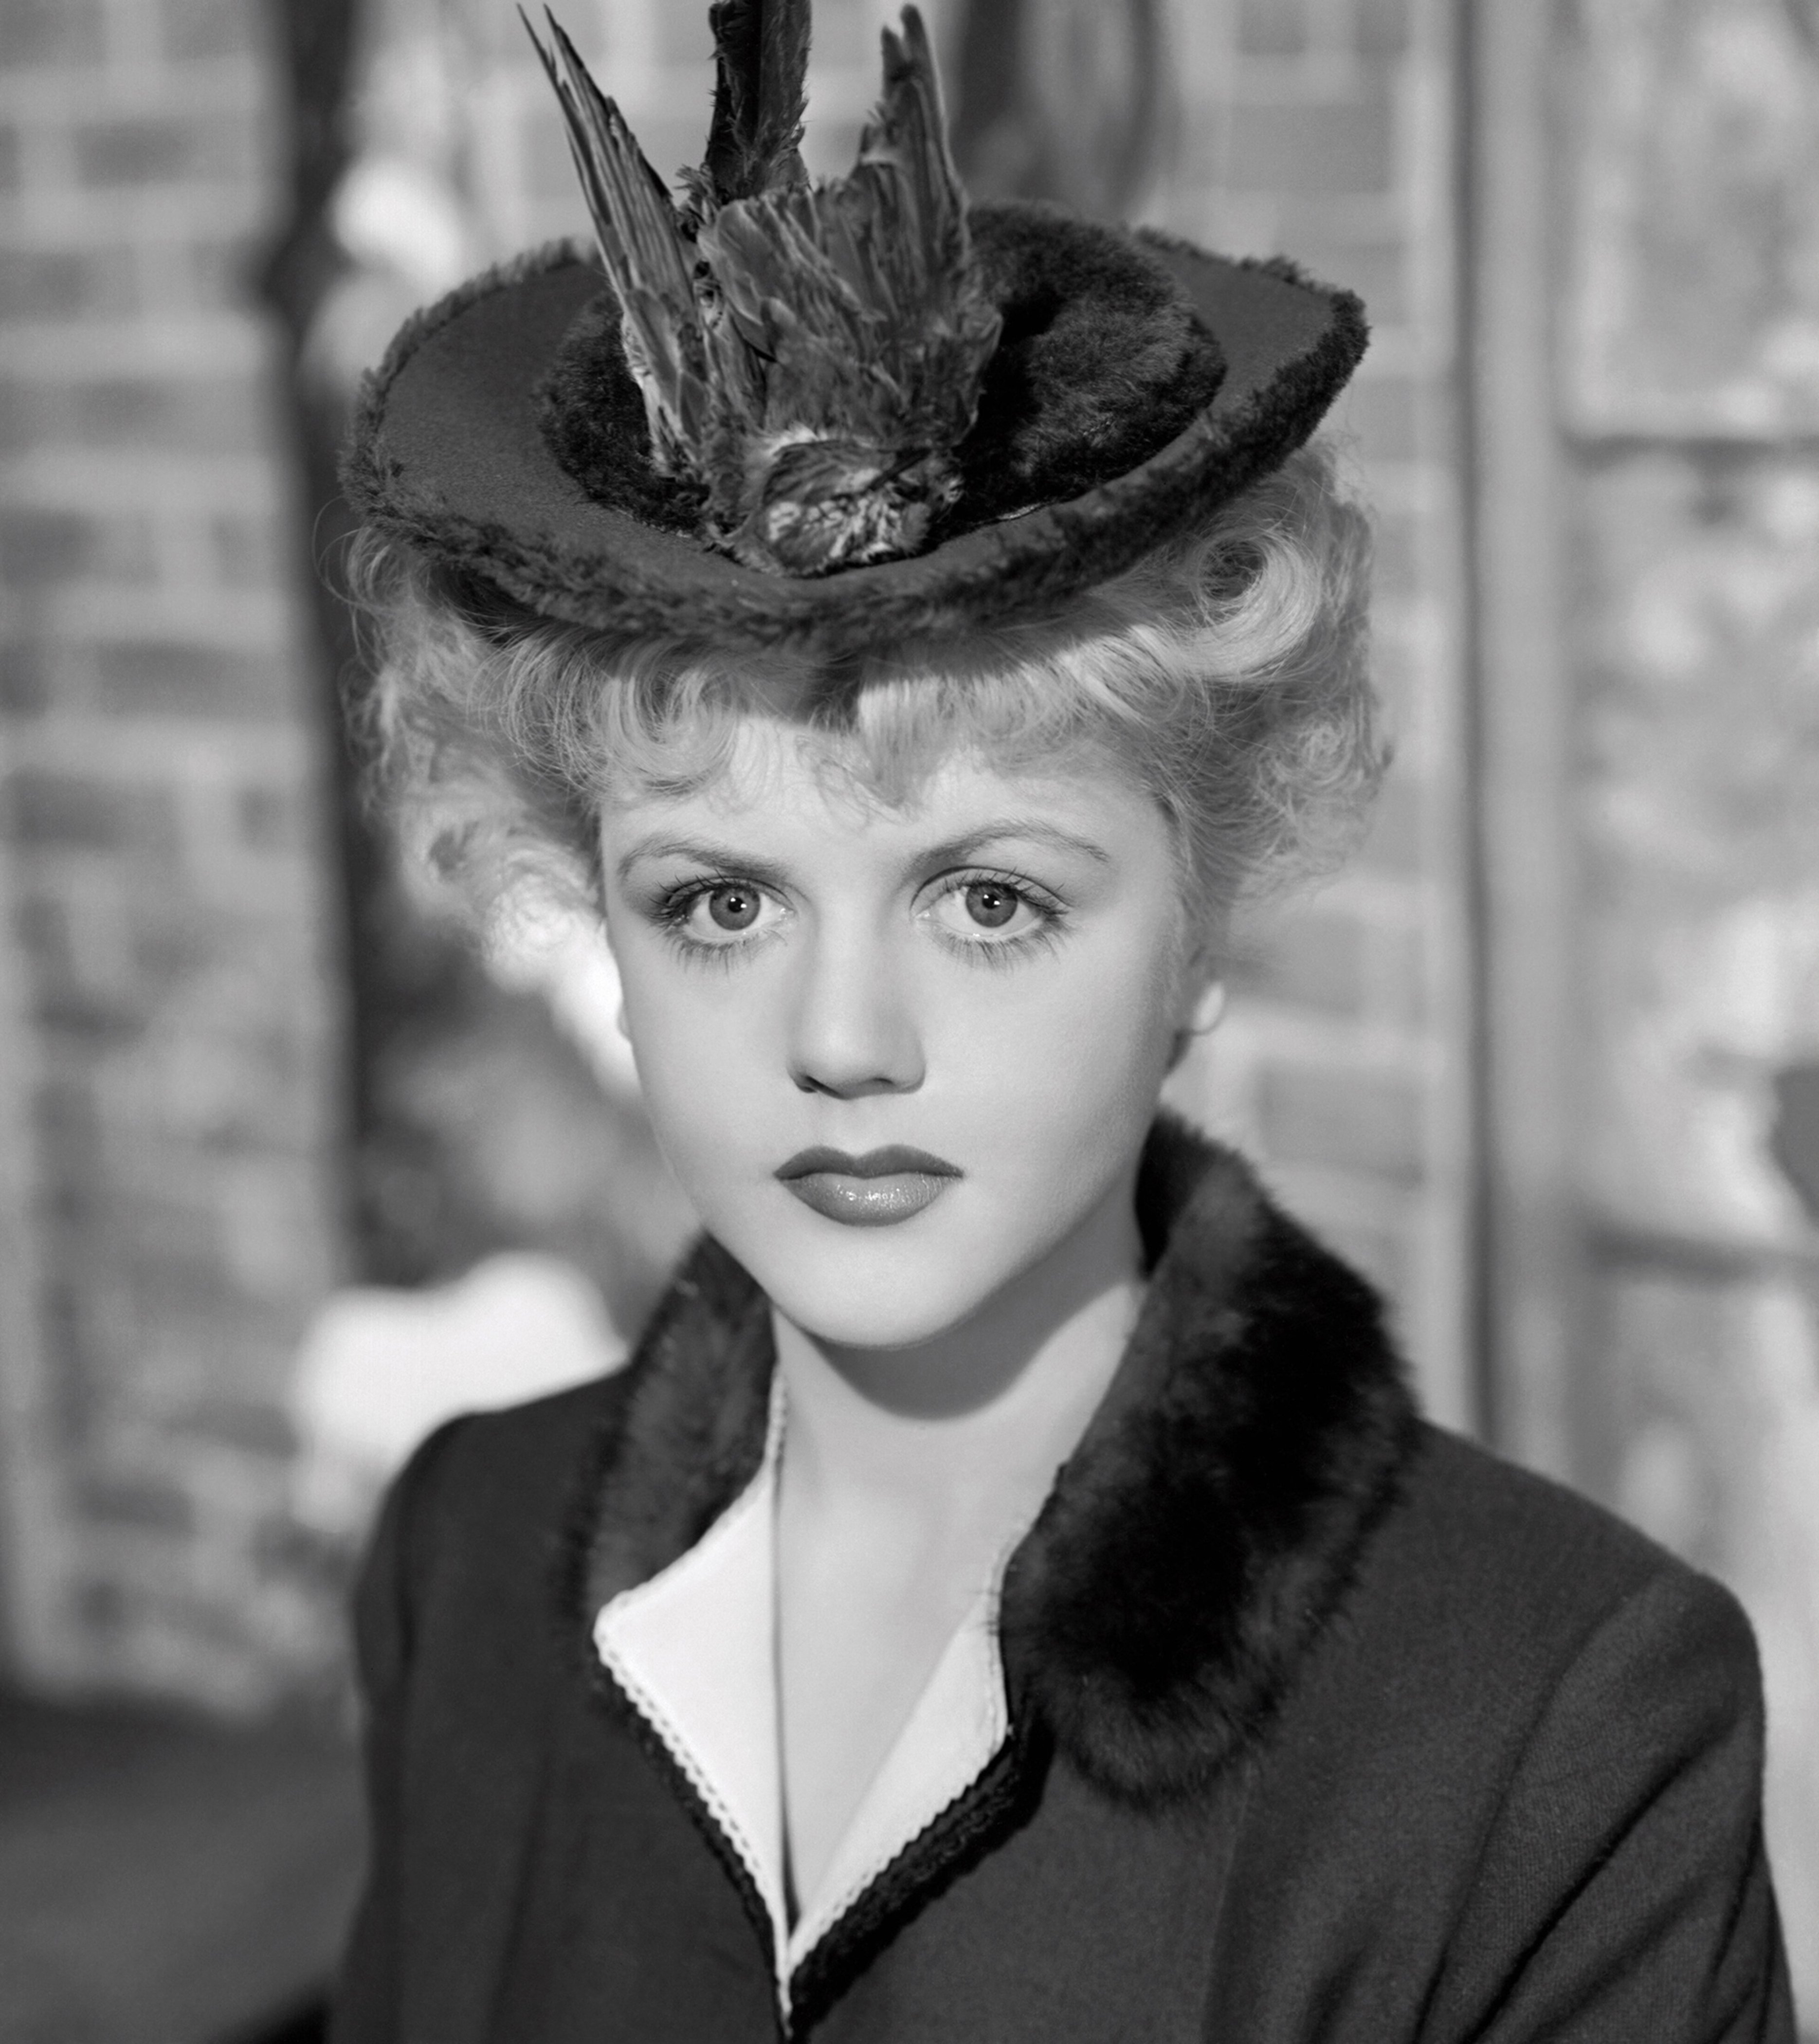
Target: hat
point(834, 417)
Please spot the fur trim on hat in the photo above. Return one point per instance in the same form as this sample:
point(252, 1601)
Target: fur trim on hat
point(449, 455)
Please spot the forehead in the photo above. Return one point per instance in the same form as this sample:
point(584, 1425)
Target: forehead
point(776, 776)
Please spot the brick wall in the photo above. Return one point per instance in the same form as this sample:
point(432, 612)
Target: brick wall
point(1326, 129)
point(173, 1051)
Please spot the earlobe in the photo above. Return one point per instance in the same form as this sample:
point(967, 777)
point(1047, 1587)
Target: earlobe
point(1203, 1019)
point(1208, 1010)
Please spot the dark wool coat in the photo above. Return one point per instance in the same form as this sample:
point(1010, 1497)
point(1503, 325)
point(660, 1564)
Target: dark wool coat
point(1324, 1725)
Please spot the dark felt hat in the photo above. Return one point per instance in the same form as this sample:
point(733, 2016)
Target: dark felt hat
point(1131, 384)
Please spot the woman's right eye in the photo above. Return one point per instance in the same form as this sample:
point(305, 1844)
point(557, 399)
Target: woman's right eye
point(722, 912)
point(733, 908)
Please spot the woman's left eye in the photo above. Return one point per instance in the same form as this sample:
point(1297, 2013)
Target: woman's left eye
point(984, 910)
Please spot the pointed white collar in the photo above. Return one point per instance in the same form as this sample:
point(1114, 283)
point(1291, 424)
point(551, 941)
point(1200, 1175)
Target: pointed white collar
point(694, 1647)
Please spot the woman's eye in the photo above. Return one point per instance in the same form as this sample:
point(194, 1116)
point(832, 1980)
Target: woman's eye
point(733, 908)
point(721, 911)
point(990, 904)
point(986, 911)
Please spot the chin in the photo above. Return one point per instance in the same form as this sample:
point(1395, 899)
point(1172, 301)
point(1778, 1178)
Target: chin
point(860, 1316)
point(870, 1291)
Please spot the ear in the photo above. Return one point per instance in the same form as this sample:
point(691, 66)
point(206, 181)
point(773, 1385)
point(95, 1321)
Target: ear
point(1202, 1015)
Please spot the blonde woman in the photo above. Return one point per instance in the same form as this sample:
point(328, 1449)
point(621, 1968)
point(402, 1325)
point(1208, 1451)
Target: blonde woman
point(1010, 1595)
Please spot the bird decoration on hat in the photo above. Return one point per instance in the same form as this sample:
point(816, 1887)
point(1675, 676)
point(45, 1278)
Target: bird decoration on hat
point(810, 355)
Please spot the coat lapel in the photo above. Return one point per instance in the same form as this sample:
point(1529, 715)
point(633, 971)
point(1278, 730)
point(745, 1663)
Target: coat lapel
point(1211, 1518)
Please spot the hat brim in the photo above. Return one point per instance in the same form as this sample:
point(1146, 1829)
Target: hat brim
point(448, 455)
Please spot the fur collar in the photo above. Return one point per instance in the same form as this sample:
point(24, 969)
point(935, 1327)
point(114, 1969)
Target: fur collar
point(1195, 1543)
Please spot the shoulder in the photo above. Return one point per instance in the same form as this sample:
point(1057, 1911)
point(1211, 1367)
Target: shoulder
point(1520, 1775)
point(1506, 1553)
point(1496, 1612)
point(485, 1499)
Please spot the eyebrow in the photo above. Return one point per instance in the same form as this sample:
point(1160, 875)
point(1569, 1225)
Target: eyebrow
point(970, 843)
point(724, 857)
point(954, 850)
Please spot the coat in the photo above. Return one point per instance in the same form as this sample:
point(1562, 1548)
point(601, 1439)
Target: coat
point(1321, 1722)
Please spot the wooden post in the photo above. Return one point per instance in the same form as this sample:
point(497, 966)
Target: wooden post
point(1529, 1219)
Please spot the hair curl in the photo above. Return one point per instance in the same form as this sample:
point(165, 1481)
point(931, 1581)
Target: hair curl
point(1229, 671)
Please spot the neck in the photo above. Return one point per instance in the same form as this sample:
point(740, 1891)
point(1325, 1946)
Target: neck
point(978, 1419)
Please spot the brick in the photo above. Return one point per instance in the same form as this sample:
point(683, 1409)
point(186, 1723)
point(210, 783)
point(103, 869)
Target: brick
point(41, 547)
point(30, 411)
point(24, 679)
point(255, 1426)
point(152, 677)
point(104, 1608)
point(224, 270)
point(93, 1025)
point(66, 1119)
point(209, 27)
point(65, 812)
point(225, 415)
point(1342, 147)
point(44, 546)
point(49, 32)
point(269, 820)
point(62, 283)
point(1382, 28)
point(1272, 28)
point(164, 150)
point(41, 927)
point(1342, 1118)
point(143, 1504)
point(167, 959)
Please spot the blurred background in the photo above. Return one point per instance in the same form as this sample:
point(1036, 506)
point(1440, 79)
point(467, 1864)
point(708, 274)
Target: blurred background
point(285, 1174)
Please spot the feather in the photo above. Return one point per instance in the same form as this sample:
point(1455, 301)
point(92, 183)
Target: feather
point(811, 356)
point(644, 250)
point(862, 297)
point(761, 71)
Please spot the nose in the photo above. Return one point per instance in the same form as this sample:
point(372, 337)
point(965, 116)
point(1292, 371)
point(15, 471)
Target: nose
point(852, 1031)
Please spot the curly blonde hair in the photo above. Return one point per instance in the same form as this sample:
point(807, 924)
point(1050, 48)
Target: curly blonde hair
point(1229, 671)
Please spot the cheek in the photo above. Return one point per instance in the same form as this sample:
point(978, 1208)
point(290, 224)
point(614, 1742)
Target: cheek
point(1072, 1067)
point(694, 1060)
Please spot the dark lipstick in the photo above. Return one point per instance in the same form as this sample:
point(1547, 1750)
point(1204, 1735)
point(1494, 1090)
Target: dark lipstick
point(875, 1190)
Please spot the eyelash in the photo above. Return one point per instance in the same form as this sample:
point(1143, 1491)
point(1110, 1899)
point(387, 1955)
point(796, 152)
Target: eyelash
point(674, 910)
point(1000, 951)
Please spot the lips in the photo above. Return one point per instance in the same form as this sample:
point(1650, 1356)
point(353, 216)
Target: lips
point(876, 1190)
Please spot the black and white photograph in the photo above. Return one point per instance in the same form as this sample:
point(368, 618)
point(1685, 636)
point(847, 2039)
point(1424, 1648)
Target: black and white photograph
point(909, 1022)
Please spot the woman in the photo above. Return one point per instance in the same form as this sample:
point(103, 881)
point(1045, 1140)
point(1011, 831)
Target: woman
point(1010, 1594)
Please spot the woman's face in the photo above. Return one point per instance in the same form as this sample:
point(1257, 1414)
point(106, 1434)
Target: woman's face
point(896, 1055)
